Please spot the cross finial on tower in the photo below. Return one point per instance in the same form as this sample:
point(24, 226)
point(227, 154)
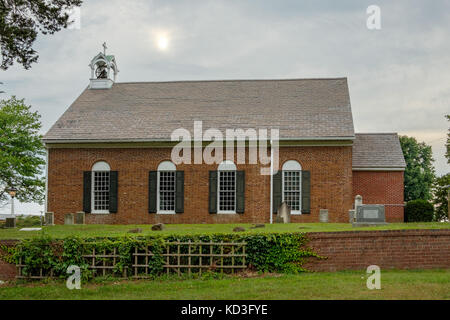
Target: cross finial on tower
point(104, 48)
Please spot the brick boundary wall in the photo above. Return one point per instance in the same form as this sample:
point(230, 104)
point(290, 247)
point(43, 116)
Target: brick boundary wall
point(389, 249)
point(7, 271)
point(356, 250)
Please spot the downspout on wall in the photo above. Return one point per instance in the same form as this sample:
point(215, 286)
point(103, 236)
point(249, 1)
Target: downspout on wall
point(271, 182)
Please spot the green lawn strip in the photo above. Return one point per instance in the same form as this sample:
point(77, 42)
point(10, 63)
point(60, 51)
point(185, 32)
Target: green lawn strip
point(395, 284)
point(61, 231)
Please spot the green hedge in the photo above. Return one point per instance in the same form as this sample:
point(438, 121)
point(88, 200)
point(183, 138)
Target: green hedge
point(273, 252)
point(419, 211)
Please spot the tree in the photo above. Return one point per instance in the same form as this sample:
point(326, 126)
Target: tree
point(20, 22)
point(21, 152)
point(440, 197)
point(447, 154)
point(419, 172)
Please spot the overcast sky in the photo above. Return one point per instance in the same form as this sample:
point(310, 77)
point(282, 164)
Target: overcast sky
point(398, 76)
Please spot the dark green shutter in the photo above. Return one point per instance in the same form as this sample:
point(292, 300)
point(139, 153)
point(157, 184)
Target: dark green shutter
point(152, 190)
point(240, 191)
point(213, 192)
point(306, 192)
point(179, 192)
point(113, 186)
point(277, 189)
point(87, 185)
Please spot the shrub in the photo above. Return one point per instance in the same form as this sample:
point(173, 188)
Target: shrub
point(274, 252)
point(419, 211)
point(28, 221)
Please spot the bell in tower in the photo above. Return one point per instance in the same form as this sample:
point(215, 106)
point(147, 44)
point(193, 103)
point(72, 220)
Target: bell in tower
point(103, 70)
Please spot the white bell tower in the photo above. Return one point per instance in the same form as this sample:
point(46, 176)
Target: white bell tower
point(103, 70)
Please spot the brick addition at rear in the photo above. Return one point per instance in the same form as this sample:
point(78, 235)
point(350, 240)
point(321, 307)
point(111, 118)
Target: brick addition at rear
point(109, 154)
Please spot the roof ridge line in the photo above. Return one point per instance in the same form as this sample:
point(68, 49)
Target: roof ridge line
point(230, 80)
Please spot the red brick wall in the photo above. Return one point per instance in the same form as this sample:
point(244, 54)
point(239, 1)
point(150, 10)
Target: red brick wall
point(8, 271)
point(331, 185)
point(399, 249)
point(381, 187)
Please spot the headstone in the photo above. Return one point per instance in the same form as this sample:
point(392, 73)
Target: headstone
point(323, 215)
point(136, 230)
point(258, 225)
point(80, 217)
point(49, 219)
point(284, 212)
point(351, 215)
point(370, 215)
point(358, 201)
point(238, 229)
point(68, 218)
point(10, 223)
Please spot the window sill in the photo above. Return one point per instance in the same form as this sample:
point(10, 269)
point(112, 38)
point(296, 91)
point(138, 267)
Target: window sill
point(165, 212)
point(296, 213)
point(226, 212)
point(100, 212)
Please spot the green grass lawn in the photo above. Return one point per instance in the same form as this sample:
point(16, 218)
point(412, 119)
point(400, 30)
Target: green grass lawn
point(60, 231)
point(395, 284)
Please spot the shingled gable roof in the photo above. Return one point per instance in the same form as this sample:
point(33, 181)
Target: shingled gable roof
point(150, 111)
point(377, 151)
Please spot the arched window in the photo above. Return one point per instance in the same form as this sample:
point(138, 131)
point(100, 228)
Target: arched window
point(292, 193)
point(100, 187)
point(226, 187)
point(166, 187)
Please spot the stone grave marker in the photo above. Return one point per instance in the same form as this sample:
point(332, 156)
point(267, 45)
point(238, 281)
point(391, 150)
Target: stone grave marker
point(10, 223)
point(351, 215)
point(284, 213)
point(370, 215)
point(49, 219)
point(323, 215)
point(68, 218)
point(80, 217)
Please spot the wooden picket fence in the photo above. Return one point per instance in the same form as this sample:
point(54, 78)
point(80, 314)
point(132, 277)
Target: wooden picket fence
point(179, 258)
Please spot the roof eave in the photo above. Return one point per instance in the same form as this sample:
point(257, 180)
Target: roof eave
point(53, 141)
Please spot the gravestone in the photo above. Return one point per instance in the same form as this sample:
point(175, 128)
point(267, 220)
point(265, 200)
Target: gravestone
point(10, 223)
point(80, 217)
point(323, 215)
point(68, 218)
point(370, 215)
point(351, 215)
point(358, 201)
point(284, 213)
point(49, 219)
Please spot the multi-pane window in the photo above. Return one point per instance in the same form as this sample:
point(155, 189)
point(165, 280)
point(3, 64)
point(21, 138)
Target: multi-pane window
point(227, 191)
point(101, 190)
point(166, 187)
point(292, 189)
point(166, 190)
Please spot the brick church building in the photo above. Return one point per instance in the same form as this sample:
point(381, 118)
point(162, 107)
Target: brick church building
point(109, 154)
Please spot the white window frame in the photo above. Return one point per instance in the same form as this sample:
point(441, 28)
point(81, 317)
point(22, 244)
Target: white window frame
point(100, 166)
point(165, 166)
point(226, 165)
point(292, 166)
